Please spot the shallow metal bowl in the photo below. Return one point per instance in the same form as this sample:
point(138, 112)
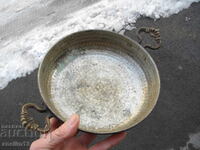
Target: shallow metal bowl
point(106, 78)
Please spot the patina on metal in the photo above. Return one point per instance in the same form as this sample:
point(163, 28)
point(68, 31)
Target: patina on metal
point(155, 33)
point(29, 123)
point(96, 45)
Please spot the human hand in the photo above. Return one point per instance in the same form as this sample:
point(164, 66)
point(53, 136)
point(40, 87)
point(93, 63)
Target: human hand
point(63, 137)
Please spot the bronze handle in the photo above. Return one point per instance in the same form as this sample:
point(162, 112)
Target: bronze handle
point(29, 123)
point(154, 33)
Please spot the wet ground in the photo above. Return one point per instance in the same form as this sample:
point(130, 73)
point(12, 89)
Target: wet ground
point(174, 124)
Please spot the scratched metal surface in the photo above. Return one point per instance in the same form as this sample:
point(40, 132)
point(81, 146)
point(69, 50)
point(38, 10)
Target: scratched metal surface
point(108, 79)
point(173, 125)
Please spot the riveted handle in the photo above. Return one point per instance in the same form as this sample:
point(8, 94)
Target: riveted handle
point(155, 33)
point(29, 123)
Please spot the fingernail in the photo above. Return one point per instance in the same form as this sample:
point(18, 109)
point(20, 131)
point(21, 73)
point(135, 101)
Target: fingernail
point(125, 133)
point(73, 120)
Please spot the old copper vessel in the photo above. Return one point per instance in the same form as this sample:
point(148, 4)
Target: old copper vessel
point(108, 79)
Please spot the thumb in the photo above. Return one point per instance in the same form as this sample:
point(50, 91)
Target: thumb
point(65, 131)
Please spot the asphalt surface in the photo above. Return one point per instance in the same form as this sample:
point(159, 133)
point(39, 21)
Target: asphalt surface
point(176, 115)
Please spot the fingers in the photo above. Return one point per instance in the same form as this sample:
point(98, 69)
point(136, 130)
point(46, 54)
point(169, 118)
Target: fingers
point(65, 131)
point(86, 138)
point(109, 142)
point(54, 125)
